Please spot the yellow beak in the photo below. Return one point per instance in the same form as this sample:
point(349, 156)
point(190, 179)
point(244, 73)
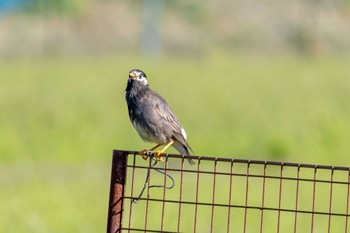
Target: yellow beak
point(132, 75)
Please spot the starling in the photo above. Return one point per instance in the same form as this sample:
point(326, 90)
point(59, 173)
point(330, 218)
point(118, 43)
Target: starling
point(153, 118)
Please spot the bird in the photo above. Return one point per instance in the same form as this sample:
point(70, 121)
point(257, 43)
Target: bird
point(153, 118)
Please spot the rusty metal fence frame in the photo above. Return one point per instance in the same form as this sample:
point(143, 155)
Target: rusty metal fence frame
point(321, 185)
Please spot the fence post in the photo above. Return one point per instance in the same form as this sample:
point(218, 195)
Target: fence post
point(117, 190)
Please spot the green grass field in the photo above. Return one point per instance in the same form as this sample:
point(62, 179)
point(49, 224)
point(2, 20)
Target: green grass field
point(61, 118)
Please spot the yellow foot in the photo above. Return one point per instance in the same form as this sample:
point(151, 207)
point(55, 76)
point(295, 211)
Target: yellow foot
point(144, 155)
point(158, 155)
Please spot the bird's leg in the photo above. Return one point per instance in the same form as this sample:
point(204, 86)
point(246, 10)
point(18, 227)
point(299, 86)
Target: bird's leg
point(153, 148)
point(144, 152)
point(158, 153)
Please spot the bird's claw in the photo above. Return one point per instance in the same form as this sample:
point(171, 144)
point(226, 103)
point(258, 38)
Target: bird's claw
point(144, 154)
point(147, 153)
point(158, 156)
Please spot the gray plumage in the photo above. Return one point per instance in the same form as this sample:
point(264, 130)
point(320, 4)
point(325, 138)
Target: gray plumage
point(151, 116)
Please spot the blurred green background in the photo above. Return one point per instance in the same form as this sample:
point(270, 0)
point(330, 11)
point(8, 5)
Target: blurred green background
point(248, 79)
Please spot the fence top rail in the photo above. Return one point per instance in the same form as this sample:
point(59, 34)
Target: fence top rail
point(246, 161)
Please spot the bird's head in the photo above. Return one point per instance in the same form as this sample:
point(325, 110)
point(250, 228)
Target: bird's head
point(136, 75)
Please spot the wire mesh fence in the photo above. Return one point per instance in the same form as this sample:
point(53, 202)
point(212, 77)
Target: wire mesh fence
point(226, 195)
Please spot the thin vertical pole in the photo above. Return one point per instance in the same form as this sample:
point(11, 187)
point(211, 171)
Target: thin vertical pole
point(347, 204)
point(148, 188)
point(180, 197)
point(263, 200)
point(246, 198)
point(197, 193)
point(297, 200)
point(117, 191)
point(164, 192)
point(230, 200)
point(280, 200)
point(213, 201)
point(132, 189)
point(313, 201)
point(330, 201)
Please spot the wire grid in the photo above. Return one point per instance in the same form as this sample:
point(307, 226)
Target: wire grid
point(235, 195)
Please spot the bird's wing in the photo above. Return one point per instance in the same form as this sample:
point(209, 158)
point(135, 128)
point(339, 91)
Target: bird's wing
point(161, 112)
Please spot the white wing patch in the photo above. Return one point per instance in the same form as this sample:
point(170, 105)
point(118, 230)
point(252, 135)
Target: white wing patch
point(183, 133)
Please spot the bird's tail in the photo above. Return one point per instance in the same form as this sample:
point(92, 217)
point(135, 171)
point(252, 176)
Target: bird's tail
point(191, 162)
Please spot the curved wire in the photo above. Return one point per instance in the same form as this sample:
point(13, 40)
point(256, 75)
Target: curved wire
point(136, 200)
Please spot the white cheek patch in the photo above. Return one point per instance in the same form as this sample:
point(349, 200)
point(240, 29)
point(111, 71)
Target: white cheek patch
point(184, 133)
point(143, 80)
